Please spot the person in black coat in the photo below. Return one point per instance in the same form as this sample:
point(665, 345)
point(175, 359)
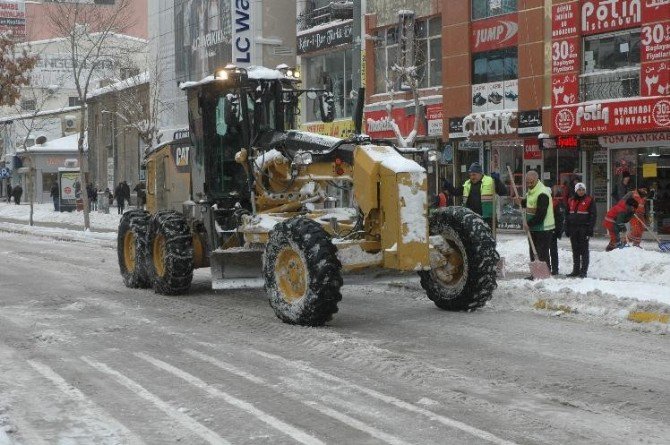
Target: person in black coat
point(17, 192)
point(55, 195)
point(9, 192)
point(581, 219)
point(120, 195)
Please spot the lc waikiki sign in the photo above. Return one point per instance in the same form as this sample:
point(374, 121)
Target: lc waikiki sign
point(243, 32)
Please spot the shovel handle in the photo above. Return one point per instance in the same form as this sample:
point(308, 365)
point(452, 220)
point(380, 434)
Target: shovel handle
point(511, 178)
point(658, 240)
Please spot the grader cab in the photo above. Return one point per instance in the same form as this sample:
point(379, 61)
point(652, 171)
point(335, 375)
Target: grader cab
point(293, 210)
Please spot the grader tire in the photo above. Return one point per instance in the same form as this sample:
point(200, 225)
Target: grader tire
point(302, 273)
point(468, 279)
point(170, 253)
point(131, 247)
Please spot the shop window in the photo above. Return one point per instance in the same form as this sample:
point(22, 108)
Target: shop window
point(495, 66)
point(333, 69)
point(427, 55)
point(482, 9)
point(73, 101)
point(611, 67)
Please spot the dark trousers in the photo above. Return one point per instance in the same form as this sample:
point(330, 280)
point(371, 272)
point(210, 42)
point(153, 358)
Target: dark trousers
point(580, 251)
point(542, 241)
point(56, 204)
point(553, 252)
point(120, 203)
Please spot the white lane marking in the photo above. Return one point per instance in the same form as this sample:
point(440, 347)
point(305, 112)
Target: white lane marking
point(343, 418)
point(186, 421)
point(355, 423)
point(226, 366)
point(87, 403)
point(452, 423)
point(284, 427)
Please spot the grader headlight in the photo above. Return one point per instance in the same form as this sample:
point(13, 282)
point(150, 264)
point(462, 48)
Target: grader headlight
point(302, 158)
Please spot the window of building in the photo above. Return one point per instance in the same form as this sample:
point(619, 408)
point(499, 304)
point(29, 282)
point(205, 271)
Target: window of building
point(611, 66)
point(49, 179)
point(495, 66)
point(129, 72)
point(28, 104)
point(482, 9)
point(333, 69)
point(73, 101)
point(428, 54)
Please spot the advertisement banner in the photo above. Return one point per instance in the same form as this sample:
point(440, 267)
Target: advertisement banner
point(203, 36)
point(378, 125)
point(655, 39)
point(565, 55)
point(613, 117)
point(655, 10)
point(531, 149)
point(655, 79)
point(13, 19)
point(494, 33)
point(340, 128)
point(601, 16)
point(564, 89)
point(565, 20)
point(243, 31)
point(495, 96)
point(434, 119)
point(68, 181)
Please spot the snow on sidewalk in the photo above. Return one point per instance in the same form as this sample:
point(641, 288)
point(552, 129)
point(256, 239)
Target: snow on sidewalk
point(44, 213)
point(620, 283)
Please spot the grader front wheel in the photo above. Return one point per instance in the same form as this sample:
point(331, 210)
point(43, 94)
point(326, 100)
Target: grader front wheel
point(464, 260)
point(132, 248)
point(170, 262)
point(302, 273)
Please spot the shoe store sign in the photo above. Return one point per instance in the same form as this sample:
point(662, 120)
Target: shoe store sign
point(494, 33)
point(490, 123)
point(624, 116)
point(340, 34)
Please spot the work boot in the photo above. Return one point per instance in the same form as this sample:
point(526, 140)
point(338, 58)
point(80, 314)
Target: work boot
point(575, 266)
point(573, 274)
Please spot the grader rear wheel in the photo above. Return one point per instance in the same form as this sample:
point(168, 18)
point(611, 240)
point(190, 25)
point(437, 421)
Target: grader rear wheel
point(463, 276)
point(170, 262)
point(132, 248)
point(302, 273)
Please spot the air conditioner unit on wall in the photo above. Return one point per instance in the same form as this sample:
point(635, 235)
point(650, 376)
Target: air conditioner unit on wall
point(70, 124)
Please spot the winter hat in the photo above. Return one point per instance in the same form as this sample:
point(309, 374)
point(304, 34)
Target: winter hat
point(475, 168)
point(580, 185)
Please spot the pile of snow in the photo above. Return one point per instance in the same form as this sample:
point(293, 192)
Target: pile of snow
point(44, 213)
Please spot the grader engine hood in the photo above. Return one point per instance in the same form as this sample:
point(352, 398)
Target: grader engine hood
point(392, 192)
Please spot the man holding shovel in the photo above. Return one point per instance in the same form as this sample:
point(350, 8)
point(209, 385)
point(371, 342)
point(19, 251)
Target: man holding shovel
point(539, 221)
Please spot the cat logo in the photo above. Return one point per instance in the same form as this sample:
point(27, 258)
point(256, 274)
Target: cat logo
point(181, 156)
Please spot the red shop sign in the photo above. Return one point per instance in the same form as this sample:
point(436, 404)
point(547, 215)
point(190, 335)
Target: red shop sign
point(531, 149)
point(494, 33)
point(564, 20)
point(655, 10)
point(625, 116)
point(655, 79)
point(564, 90)
point(379, 126)
point(569, 142)
point(655, 39)
point(565, 55)
point(600, 16)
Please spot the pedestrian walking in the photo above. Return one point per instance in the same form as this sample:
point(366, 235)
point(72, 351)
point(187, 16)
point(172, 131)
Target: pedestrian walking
point(478, 191)
point(120, 196)
point(616, 219)
point(579, 225)
point(9, 193)
point(92, 194)
point(17, 191)
point(539, 219)
point(622, 187)
point(443, 199)
point(558, 205)
point(55, 195)
point(140, 190)
point(126, 191)
point(636, 225)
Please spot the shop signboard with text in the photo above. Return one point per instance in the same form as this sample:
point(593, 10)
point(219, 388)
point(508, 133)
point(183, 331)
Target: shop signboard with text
point(13, 19)
point(601, 16)
point(565, 53)
point(655, 40)
point(379, 125)
point(494, 33)
point(623, 116)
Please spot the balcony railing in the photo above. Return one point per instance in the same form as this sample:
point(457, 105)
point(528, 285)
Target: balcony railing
point(336, 10)
point(610, 85)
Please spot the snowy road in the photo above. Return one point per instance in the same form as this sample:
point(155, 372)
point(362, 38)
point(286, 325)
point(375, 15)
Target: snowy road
point(84, 360)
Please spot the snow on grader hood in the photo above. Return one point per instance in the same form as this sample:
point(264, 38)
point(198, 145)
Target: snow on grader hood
point(271, 220)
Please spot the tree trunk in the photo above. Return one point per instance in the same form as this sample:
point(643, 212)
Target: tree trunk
point(31, 193)
point(83, 177)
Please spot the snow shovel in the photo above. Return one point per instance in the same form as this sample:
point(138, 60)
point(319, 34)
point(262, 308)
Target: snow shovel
point(663, 245)
point(538, 269)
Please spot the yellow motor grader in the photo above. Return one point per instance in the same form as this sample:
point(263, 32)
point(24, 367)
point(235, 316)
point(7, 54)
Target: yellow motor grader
point(292, 210)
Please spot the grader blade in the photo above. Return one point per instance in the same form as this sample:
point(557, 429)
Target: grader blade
point(237, 268)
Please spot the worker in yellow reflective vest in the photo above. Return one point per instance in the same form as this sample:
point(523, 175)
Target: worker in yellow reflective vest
point(539, 215)
point(478, 191)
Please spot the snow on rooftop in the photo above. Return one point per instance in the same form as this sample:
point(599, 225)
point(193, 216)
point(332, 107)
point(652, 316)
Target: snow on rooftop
point(323, 26)
point(121, 85)
point(65, 144)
